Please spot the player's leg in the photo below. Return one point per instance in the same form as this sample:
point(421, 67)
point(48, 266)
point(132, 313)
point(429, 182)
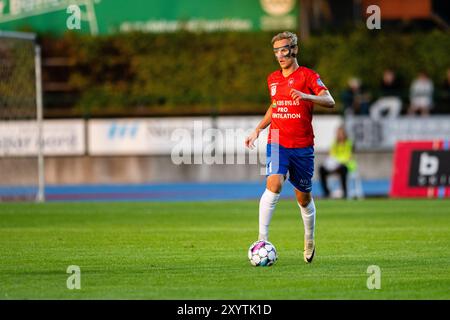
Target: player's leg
point(308, 213)
point(277, 164)
point(343, 171)
point(323, 181)
point(301, 171)
point(268, 202)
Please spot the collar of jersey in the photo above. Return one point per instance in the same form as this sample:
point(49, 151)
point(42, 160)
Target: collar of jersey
point(281, 72)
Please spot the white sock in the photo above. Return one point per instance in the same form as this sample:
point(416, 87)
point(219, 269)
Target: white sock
point(309, 219)
point(266, 207)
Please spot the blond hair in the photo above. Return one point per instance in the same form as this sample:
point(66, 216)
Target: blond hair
point(285, 35)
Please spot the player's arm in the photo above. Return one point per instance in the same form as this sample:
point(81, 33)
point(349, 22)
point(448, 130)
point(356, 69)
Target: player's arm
point(323, 99)
point(249, 141)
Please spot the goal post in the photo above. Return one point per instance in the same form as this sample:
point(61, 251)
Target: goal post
point(21, 118)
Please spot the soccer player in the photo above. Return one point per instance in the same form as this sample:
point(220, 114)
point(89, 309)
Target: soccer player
point(294, 90)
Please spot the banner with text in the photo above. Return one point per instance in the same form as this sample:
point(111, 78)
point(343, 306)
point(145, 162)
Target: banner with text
point(60, 137)
point(107, 16)
point(421, 169)
point(382, 135)
point(196, 135)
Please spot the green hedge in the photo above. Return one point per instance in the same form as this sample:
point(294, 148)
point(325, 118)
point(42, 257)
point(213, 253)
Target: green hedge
point(185, 73)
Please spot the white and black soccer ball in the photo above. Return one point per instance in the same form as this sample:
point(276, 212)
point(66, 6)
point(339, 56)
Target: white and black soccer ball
point(262, 253)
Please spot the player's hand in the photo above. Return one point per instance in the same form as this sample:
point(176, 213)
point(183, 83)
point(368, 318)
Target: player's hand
point(250, 140)
point(297, 95)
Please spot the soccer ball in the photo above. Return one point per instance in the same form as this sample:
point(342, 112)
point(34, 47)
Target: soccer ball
point(262, 253)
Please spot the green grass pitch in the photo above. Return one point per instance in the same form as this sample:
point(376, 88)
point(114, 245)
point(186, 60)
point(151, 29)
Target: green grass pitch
point(199, 250)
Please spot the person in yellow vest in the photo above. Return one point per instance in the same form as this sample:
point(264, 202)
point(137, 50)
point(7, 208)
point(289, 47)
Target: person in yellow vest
point(340, 161)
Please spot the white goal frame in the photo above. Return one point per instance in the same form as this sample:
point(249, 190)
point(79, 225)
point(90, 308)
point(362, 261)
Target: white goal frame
point(40, 195)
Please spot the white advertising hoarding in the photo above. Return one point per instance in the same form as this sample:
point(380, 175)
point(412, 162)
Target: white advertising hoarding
point(325, 128)
point(60, 137)
point(382, 135)
point(159, 136)
point(144, 136)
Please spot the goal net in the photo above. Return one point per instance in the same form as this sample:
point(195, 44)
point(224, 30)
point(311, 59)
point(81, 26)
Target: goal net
point(21, 147)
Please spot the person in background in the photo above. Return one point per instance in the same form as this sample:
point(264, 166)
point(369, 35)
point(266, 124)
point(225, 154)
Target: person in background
point(390, 101)
point(355, 98)
point(421, 95)
point(340, 161)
